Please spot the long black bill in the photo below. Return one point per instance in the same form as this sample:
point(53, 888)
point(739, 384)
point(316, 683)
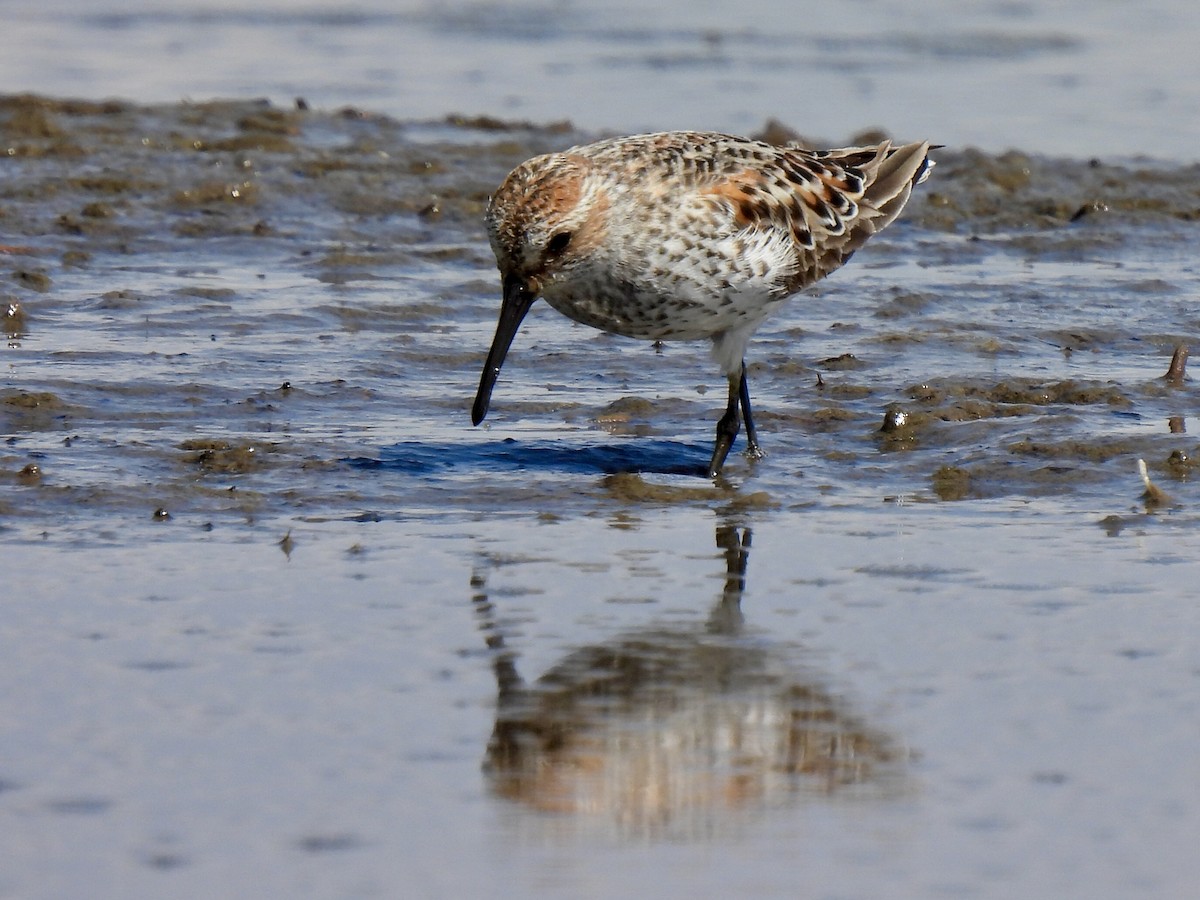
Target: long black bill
point(516, 303)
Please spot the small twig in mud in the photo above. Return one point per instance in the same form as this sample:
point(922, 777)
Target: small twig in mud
point(1153, 495)
point(1175, 372)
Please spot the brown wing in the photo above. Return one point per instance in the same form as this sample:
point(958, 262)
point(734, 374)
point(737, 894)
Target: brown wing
point(830, 202)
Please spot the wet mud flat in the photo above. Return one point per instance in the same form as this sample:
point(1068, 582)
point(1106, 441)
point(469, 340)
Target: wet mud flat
point(294, 623)
point(230, 307)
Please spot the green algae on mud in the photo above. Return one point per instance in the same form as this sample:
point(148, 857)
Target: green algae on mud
point(165, 268)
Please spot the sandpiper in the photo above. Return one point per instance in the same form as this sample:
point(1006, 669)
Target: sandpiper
point(683, 236)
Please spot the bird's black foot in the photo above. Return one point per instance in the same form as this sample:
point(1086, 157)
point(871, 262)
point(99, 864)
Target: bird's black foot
point(753, 450)
point(737, 411)
point(727, 430)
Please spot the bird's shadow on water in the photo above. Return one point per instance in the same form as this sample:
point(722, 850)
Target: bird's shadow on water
point(644, 456)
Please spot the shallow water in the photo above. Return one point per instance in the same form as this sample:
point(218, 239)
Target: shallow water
point(1079, 77)
point(278, 621)
point(994, 698)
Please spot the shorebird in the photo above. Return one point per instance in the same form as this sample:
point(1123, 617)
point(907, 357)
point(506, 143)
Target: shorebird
point(686, 236)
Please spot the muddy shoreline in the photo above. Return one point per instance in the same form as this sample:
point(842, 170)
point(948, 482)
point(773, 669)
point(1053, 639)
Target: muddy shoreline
point(231, 307)
point(277, 615)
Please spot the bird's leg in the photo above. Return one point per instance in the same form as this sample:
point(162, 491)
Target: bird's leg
point(752, 449)
point(727, 429)
point(728, 426)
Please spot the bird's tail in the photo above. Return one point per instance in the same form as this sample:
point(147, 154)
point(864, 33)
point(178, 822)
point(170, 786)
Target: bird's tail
point(888, 175)
point(899, 169)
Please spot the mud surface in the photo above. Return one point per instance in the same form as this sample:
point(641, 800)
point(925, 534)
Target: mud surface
point(278, 619)
point(230, 309)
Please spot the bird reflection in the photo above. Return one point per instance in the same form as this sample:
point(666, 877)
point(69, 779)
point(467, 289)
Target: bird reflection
point(669, 729)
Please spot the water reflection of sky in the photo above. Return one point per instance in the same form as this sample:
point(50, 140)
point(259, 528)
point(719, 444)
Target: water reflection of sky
point(1077, 78)
point(240, 715)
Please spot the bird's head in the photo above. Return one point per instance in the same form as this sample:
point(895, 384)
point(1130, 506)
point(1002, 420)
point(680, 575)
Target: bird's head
point(543, 222)
point(545, 217)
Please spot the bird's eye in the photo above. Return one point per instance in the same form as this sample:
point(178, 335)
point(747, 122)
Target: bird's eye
point(559, 243)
